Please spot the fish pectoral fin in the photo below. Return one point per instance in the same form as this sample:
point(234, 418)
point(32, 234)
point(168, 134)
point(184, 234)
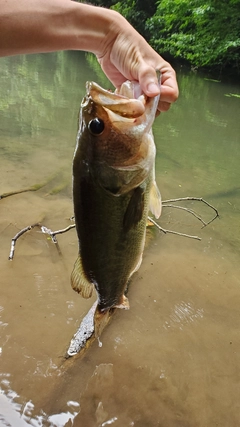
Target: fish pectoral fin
point(79, 282)
point(124, 304)
point(135, 208)
point(155, 200)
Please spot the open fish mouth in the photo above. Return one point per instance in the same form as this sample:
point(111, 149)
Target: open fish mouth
point(116, 102)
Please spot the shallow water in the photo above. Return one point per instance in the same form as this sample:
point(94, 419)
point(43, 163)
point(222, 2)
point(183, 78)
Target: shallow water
point(173, 358)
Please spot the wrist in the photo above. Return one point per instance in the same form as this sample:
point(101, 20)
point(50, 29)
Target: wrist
point(93, 28)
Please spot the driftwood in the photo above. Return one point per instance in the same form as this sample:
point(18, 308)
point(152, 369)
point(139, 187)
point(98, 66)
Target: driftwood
point(84, 336)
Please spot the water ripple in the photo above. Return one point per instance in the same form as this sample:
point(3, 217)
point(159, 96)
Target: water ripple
point(183, 314)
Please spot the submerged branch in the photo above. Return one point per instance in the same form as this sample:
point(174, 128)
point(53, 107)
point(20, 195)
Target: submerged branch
point(53, 234)
point(34, 187)
point(187, 210)
point(16, 237)
point(25, 190)
point(197, 199)
point(44, 230)
point(168, 204)
point(171, 231)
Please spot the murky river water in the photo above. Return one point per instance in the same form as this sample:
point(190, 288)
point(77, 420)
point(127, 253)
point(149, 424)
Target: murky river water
point(173, 359)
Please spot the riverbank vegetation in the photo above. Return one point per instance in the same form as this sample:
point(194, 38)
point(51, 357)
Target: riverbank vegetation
point(203, 33)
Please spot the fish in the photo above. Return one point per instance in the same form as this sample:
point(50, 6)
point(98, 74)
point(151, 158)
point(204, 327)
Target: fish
point(114, 188)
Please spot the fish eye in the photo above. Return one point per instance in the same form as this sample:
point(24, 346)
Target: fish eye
point(96, 126)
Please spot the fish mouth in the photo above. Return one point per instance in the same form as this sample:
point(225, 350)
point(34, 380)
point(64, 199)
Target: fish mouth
point(119, 104)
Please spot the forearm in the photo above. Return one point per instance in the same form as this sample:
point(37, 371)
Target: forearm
point(32, 26)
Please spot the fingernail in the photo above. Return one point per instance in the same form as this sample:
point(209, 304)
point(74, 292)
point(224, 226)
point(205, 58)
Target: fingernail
point(153, 88)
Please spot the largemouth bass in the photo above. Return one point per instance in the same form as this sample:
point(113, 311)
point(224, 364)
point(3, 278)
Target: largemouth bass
point(113, 189)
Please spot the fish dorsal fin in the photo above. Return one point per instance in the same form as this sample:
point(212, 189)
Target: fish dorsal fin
point(155, 201)
point(134, 209)
point(79, 281)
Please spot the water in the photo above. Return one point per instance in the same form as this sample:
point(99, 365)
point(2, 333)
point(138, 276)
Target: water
point(173, 358)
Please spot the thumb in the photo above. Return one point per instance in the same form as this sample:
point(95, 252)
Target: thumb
point(149, 82)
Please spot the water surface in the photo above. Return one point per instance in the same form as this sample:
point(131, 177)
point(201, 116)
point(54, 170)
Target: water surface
point(173, 358)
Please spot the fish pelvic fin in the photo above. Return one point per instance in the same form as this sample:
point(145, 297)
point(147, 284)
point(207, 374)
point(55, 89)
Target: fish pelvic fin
point(79, 282)
point(155, 200)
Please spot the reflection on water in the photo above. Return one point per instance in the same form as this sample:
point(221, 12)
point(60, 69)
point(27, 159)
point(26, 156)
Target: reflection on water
point(172, 360)
point(182, 314)
point(19, 415)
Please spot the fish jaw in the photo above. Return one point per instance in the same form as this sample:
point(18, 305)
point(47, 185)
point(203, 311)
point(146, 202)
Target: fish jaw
point(122, 105)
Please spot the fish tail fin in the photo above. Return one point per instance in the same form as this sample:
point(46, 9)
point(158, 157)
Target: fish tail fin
point(79, 282)
point(101, 319)
point(124, 304)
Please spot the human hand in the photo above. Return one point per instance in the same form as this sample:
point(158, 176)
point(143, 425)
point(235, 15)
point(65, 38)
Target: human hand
point(51, 25)
point(127, 55)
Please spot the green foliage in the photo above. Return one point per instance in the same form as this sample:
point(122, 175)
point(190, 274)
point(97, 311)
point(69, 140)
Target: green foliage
point(206, 33)
point(137, 12)
point(203, 33)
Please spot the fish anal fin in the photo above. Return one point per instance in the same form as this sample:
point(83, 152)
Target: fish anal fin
point(155, 201)
point(79, 281)
point(135, 208)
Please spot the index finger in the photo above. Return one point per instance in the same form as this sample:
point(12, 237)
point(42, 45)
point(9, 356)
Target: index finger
point(169, 86)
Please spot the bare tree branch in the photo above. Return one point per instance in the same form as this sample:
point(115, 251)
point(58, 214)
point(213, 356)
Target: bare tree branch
point(171, 231)
point(197, 199)
point(16, 237)
point(53, 234)
point(44, 230)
